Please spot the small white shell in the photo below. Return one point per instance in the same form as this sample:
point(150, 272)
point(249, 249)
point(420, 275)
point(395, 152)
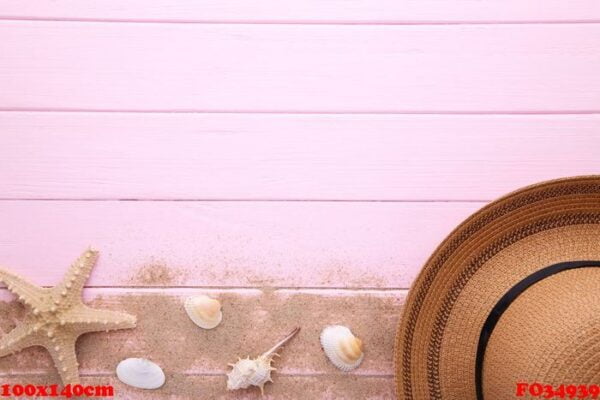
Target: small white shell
point(342, 348)
point(255, 372)
point(204, 311)
point(140, 373)
point(247, 372)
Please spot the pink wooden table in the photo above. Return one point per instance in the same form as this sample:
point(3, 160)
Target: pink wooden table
point(297, 160)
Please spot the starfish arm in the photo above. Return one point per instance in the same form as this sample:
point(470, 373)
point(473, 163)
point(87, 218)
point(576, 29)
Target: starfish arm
point(21, 337)
point(69, 290)
point(85, 319)
point(28, 293)
point(62, 350)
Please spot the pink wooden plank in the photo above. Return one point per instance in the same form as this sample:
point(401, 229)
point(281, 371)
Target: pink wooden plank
point(308, 11)
point(272, 314)
point(250, 156)
point(247, 244)
point(318, 68)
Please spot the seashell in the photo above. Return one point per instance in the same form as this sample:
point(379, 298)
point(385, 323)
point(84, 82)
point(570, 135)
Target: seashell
point(255, 372)
point(204, 311)
point(342, 348)
point(140, 373)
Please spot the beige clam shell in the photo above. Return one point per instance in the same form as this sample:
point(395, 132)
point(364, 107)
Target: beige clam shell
point(204, 311)
point(341, 347)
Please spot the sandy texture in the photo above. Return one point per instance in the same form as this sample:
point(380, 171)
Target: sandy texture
point(253, 321)
point(182, 387)
point(156, 274)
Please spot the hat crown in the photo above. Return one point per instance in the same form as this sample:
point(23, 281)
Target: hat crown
point(549, 335)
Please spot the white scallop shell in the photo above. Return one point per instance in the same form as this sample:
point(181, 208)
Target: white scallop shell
point(204, 311)
point(140, 373)
point(342, 348)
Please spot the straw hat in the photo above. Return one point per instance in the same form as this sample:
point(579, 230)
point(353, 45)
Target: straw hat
point(509, 302)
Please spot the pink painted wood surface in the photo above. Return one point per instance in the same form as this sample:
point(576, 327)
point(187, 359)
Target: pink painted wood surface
point(300, 68)
point(310, 101)
point(207, 352)
point(318, 157)
point(225, 244)
point(308, 11)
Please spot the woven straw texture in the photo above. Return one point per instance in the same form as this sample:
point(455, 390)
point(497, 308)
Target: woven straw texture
point(475, 266)
point(550, 334)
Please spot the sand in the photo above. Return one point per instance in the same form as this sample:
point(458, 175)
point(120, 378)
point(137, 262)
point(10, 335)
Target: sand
point(195, 360)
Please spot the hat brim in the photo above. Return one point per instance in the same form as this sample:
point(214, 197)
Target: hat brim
point(495, 248)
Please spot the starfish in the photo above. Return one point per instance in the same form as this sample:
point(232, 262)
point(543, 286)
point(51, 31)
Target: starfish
point(58, 317)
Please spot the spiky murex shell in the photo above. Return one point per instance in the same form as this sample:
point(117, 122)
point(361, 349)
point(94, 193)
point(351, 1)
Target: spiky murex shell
point(247, 372)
